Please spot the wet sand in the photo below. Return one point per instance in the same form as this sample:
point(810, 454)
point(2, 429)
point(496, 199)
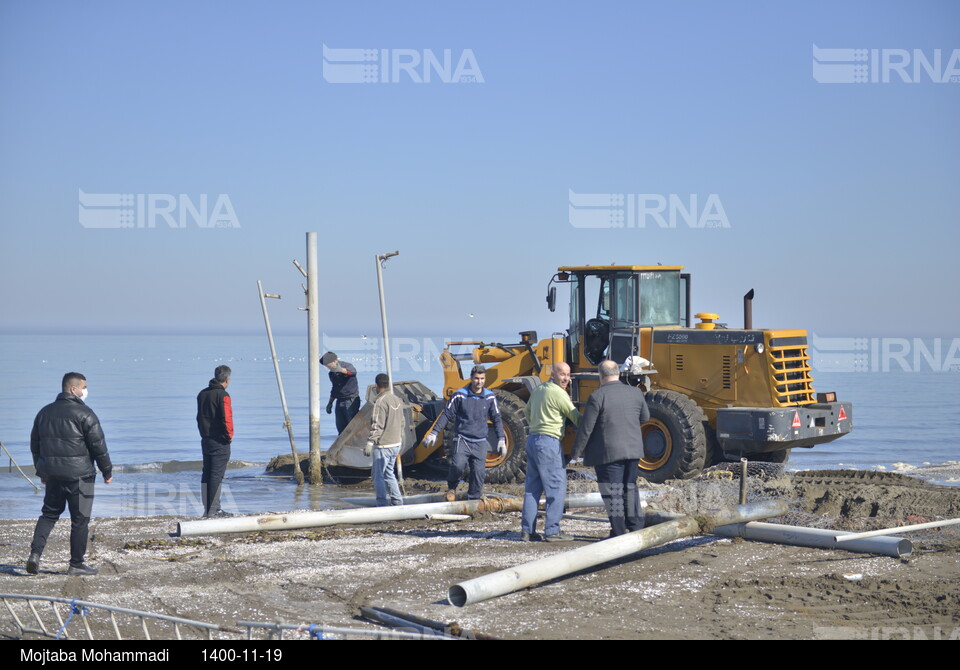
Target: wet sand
point(704, 587)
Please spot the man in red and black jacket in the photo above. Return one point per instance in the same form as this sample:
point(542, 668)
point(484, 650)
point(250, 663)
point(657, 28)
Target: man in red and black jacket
point(215, 421)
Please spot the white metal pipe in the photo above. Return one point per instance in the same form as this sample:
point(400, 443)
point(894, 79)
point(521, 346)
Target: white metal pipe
point(381, 259)
point(250, 524)
point(820, 538)
point(407, 500)
point(800, 536)
point(578, 500)
point(848, 537)
point(558, 565)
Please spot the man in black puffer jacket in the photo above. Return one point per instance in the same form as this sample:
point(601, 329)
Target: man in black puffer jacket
point(215, 422)
point(66, 441)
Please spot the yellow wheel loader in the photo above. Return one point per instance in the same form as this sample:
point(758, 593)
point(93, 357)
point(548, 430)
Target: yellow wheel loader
point(715, 393)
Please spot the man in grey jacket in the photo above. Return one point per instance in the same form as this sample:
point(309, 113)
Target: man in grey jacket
point(66, 441)
point(609, 438)
point(385, 441)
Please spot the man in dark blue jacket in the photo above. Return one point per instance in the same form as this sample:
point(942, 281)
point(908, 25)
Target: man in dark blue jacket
point(65, 442)
point(344, 389)
point(610, 439)
point(472, 406)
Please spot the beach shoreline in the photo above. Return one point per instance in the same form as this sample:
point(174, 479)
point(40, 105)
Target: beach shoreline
point(703, 587)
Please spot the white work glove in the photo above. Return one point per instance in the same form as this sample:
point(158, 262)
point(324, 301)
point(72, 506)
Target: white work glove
point(502, 448)
point(430, 439)
point(368, 450)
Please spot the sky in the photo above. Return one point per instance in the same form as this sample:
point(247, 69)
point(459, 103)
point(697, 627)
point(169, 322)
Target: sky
point(494, 143)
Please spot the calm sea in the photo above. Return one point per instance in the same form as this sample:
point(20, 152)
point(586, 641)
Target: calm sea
point(144, 390)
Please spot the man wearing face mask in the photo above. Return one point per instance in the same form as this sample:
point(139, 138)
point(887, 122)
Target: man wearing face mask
point(345, 390)
point(65, 442)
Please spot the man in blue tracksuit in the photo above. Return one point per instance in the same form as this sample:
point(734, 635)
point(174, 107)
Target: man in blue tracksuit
point(472, 406)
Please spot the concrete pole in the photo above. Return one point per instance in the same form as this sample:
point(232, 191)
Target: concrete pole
point(313, 356)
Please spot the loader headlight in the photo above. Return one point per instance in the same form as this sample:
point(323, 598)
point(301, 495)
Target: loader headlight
point(758, 347)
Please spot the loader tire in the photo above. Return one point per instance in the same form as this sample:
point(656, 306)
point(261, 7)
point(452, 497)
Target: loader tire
point(674, 438)
point(511, 468)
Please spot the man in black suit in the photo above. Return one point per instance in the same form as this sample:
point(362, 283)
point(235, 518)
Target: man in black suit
point(609, 439)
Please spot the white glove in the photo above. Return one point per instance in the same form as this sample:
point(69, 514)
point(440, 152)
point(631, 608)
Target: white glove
point(430, 439)
point(502, 448)
point(368, 450)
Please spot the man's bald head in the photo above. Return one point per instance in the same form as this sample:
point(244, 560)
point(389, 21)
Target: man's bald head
point(561, 374)
point(609, 370)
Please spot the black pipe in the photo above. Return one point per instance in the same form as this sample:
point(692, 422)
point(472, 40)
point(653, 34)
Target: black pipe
point(748, 310)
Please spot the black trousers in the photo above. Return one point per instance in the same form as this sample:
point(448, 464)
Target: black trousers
point(78, 496)
point(216, 455)
point(346, 410)
point(466, 452)
point(618, 489)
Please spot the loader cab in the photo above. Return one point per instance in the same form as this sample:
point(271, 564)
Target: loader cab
point(612, 306)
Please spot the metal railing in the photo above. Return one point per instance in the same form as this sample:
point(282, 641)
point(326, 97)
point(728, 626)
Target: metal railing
point(135, 624)
point(83, 610)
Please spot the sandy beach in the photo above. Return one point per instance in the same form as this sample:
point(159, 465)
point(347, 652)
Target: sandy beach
point(704, 587)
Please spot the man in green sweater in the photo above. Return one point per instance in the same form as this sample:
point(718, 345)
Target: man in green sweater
point(548, 408)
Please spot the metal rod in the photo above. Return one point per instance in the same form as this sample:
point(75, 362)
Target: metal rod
point(743, 481)
point(18, 468)
point(250, 524)
point(313, 356)
point(551, 567)
point(900, 529)
point(334, 630)
point(283, 397)
point(393, 621)
point(448, 517)
point(36, 617)
point(56, 613)
point(112, 610)
point(381, 260)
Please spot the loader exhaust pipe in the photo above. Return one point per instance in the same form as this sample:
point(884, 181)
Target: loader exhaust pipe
point(748, 310)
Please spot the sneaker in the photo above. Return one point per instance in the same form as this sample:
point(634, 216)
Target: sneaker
point(451, 495)
point(33, 564)
point(81, 571)
point(558, 537)
point(530, 537)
